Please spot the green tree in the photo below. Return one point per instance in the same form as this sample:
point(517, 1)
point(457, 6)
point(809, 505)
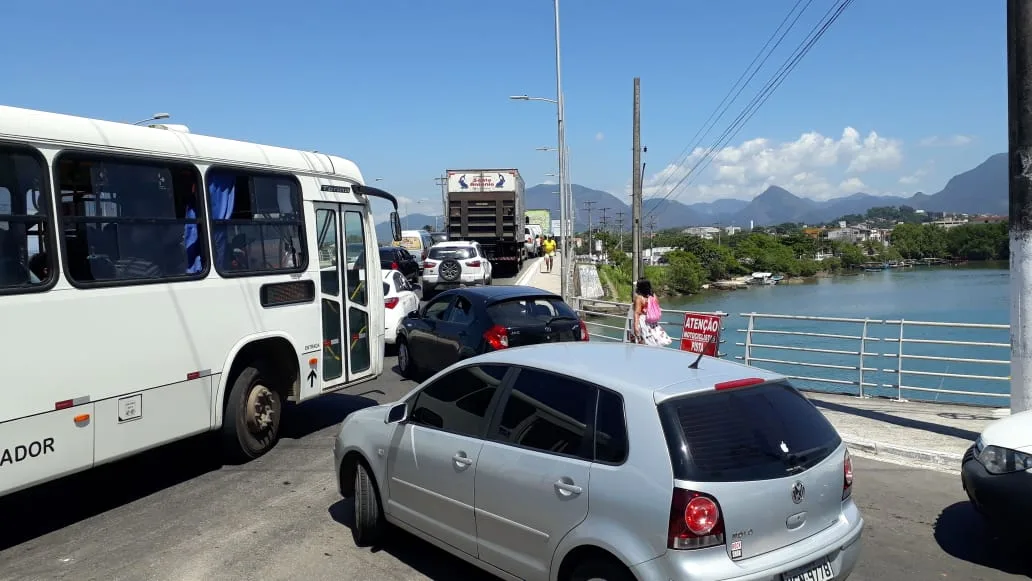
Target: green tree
point(718, 261)
point(685, 274)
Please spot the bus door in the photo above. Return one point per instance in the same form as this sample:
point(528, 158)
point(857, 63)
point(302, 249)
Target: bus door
point(344, 293)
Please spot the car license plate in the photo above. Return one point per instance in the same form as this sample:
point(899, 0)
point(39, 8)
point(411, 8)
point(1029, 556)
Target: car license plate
point(818, 571)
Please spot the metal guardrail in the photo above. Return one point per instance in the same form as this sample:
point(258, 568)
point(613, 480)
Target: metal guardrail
point(882, 356)
point(897, 358)
point(590, 309)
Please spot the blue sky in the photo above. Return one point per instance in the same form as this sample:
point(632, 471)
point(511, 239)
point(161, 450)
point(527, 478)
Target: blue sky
point(410, 88)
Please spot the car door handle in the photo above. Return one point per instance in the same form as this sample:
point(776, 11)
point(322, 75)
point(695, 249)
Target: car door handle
point(568, 488)
point(462, 460)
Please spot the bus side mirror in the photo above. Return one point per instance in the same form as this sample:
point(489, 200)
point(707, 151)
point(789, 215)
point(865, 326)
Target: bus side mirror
point(396, 226)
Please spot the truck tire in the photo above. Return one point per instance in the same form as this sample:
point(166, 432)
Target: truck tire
point(251, 419)
point(450, 270)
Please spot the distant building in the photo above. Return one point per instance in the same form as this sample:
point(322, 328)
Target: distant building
point(950, 222)
point(989, 219)
point(705, 232)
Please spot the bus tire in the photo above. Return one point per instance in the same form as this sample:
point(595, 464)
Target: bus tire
point(251, 420)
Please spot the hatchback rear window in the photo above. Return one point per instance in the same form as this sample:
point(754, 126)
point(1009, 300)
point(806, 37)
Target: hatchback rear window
point(458, 253)
point(519, 311)
point(751, 433)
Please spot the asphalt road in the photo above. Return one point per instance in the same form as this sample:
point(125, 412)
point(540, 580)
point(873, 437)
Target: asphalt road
point(177, 513)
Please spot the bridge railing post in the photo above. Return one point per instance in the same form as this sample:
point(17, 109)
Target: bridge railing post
point(863, 348)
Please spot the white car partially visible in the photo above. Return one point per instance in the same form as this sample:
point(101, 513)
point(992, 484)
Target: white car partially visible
point(400, 297)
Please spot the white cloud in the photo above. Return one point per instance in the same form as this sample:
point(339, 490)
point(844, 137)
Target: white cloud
point(806, 167)
point(947, 141)
point(600, 136)
point(913, 178)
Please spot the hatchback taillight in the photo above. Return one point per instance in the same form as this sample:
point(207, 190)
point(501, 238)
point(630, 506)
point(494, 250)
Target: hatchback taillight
point(394, 266)
point(391, 302)
point(429, 264)
point(847, 476)
point(473, 263)
point(584, 331)
point(695, 521)
point(497, 337)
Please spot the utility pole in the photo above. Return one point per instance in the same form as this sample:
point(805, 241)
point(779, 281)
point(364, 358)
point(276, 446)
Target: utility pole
point(443, 182)
point(652, 237)
point(1019, 85)
point(587, 206)
point(619, 226)
point(603, 222)
point(636, 268)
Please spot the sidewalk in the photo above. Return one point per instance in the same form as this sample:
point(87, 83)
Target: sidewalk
point(928, 435)
point(535, 275)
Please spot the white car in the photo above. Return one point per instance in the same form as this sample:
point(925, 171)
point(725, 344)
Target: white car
point(453, 264)
point(996, 471)
point(400, 297)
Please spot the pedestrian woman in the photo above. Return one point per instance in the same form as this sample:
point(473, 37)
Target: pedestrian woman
point(647, 327)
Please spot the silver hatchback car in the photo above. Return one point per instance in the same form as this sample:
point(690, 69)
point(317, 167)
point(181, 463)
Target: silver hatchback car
point(618, 462)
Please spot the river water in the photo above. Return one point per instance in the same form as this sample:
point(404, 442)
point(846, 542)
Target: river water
point(971, 294)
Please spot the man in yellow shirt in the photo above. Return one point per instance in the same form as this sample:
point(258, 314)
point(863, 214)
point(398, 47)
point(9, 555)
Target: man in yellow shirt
point(549, 248)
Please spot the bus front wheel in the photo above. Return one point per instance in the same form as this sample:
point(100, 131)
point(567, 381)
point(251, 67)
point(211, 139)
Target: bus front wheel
point(251, 421)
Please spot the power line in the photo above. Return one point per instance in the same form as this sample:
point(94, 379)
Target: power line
point(772, 85)
point(696, 139)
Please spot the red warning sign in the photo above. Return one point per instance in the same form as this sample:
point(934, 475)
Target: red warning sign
point(701, 333)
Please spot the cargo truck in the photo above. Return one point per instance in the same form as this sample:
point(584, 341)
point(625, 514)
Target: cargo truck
point(486, 206)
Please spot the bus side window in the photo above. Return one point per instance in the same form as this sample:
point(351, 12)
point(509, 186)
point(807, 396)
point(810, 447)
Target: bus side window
point(256, 223)
point(25, 264)
point(130, 220)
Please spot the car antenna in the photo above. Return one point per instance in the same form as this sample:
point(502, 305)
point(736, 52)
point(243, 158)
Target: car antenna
point(695, 364)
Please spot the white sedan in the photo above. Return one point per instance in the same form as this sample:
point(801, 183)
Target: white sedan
point(400, 297)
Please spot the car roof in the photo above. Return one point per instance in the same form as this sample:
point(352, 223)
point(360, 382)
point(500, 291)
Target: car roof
point(455, 243)
point(493, 294)
point(659, 372)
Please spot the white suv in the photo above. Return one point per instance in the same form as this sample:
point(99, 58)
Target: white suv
point(454, 264)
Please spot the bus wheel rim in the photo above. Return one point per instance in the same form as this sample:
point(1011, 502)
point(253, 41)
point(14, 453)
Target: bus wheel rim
point(261, 410)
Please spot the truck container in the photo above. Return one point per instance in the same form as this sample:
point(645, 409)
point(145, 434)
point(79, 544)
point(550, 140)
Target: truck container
point(486, 206)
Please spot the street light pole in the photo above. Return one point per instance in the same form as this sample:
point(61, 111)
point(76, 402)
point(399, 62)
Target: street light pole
point(563, 175)
point(563, 178)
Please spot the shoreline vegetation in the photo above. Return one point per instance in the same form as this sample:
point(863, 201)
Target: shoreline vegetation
point(787, 250)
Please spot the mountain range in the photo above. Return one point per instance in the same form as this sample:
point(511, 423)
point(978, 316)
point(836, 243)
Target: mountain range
point(981, 190)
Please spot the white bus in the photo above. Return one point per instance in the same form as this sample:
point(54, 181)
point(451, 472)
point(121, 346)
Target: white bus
point(156, 284)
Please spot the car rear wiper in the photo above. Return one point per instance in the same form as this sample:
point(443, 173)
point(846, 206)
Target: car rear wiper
point(795, 459)
point(558, 318)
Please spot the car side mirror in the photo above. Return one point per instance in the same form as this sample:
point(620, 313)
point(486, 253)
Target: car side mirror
point(413, 314)
point(396, 414)
point(415, 287)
